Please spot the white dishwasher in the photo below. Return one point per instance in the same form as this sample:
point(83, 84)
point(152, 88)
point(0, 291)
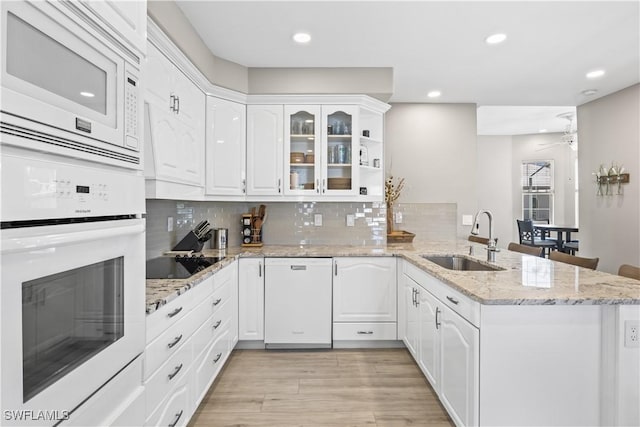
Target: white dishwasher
point(297, 302)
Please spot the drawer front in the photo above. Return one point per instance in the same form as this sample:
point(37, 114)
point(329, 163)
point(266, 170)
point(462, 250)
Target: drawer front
point(175, 410)
point(211, 328)
point(228, 275)
point(168, 376)
point(365, 331)
point(170, 342)
point(168, 314)
point(220, 296)
point(208, 364)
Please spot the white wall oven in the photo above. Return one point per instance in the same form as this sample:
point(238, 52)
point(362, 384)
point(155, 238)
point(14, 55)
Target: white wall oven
point(72, 281)
point(68, 86)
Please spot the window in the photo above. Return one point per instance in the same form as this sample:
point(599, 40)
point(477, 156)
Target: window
point(537, 190)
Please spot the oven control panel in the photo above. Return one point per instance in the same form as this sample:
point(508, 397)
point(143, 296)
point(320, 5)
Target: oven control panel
point(50, 187)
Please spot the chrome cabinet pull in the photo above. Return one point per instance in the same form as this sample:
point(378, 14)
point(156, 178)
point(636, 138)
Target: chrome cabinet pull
point(298, 267)
point(317, 186)
point(172, 102)
point(324, 185)
point(174, 373)
point(437, 315)
point(174, 312)
point(175, 422)
point(417, 297)
point(216, 302)
point(218, 356)
point(279, 185)
point(175, 341)
point(178, 105)
point(260, 269)
point(217, 324)
point(335, 268)
point(413, 296)
point(365, 332)
point(453, 300)
point(244, 186)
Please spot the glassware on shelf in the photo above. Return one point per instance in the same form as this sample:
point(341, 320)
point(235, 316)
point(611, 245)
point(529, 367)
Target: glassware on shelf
point(342, 154)
point(331, 155)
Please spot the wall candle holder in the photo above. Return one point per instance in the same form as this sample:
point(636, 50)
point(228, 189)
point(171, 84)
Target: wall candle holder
point(606, 178)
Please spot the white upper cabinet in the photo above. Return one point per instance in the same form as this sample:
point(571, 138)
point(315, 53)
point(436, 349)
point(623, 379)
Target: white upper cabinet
point(225, 148)
point(265, 150)
point(321, 151)
point(174, 128)
point(126, 18)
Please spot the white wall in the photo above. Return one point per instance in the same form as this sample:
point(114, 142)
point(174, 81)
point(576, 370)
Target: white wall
point(433, 146)
point(609, 131)
point(495, 185)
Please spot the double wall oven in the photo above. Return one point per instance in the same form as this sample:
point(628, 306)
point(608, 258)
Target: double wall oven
point(72, 201)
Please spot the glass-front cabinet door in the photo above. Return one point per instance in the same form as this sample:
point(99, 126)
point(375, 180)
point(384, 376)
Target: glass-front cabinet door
point(338, 147)
point(302, 149)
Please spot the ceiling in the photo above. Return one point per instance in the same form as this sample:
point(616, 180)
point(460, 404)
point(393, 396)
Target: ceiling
point(440, 46)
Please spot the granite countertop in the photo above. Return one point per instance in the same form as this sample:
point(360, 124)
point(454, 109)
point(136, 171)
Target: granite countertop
point(525, 280)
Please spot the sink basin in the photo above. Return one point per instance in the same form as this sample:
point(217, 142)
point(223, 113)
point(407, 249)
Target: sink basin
point(460, 263)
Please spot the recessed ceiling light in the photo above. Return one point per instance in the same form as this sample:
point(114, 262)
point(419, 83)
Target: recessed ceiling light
point(589, 92)
point(301, 38)
point(595, 74)
point(496, 38)
point(434, 94)
point(87, 94)
point(542, 130)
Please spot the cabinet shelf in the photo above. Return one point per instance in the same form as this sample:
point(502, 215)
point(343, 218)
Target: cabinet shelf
point(303, 165)
point(339, 165)
point(339, 136)
point(307, 136)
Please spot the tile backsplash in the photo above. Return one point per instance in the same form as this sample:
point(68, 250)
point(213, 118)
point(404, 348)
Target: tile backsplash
point(294, 223)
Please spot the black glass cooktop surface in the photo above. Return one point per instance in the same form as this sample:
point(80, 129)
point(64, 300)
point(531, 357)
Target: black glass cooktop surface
point(178, 267)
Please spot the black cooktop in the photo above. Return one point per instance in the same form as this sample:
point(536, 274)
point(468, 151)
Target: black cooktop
point(178, 267)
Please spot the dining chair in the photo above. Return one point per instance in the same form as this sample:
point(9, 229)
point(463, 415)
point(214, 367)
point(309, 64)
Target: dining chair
point(529, 250)
point(528, 238)
point(590, 263)
point(630, 271)
point(571, 247)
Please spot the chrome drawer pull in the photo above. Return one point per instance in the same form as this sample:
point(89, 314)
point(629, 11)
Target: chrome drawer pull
point(216, 302)
point(175, 422)
point(176, 341)
point(174, 373)
point(218, 356)
point(437, 315)
point(453, 300)
point(217, 324)
point(174, 312)
point(365, 332)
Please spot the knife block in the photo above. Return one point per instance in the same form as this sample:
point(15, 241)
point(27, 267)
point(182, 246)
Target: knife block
point(189, 243)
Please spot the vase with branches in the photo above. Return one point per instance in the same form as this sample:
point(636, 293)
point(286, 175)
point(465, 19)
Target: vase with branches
point(392, 189)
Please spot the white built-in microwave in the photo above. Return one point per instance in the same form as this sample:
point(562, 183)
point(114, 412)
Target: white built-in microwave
point(68, 85)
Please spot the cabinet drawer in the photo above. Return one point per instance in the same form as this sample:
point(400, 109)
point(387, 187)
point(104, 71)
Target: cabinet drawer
point(461, 304)
point(175, 410)
point(170, 313)
point(211, 328)
point(365, 331)
point(220, 296)
point(226, 276)
point(208, 364)
point(170, 342)
point(168, 376)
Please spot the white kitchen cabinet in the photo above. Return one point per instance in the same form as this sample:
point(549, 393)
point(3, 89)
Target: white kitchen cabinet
point(174, 127)
point(251, 299)
point(265, 133)
point(410, 316)
point(320, 150)
point(225, 148)
point(297, 302)
point(127, 18)
point(364, 289)
point(447, 347)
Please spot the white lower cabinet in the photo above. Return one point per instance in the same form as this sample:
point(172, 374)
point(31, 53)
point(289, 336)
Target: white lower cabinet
point(188, 341)
point(364, 299)
point(251, 299)
point(444, 344)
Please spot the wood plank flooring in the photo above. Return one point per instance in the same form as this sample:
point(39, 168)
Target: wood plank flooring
point(369, 387)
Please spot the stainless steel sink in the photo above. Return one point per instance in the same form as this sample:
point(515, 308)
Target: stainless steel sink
point(460, 263)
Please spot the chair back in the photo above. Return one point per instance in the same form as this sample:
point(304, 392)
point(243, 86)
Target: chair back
point(525, 230)
point(629, 271)
point(590, 263)
point(536, 231)
point(529, 250)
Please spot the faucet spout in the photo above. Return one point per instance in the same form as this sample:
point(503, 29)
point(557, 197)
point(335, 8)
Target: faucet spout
point(491, 246)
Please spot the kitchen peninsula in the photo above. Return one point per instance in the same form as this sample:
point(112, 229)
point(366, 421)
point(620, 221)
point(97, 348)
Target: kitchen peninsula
point(535, 326)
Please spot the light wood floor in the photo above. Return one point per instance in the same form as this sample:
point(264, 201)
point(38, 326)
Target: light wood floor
point(321, 388)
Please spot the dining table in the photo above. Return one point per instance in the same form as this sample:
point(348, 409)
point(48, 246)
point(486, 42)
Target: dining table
point(563, 232)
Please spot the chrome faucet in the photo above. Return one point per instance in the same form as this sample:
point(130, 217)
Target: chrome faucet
point(491, 247)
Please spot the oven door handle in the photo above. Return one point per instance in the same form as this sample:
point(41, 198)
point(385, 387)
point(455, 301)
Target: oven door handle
point(29, 239)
